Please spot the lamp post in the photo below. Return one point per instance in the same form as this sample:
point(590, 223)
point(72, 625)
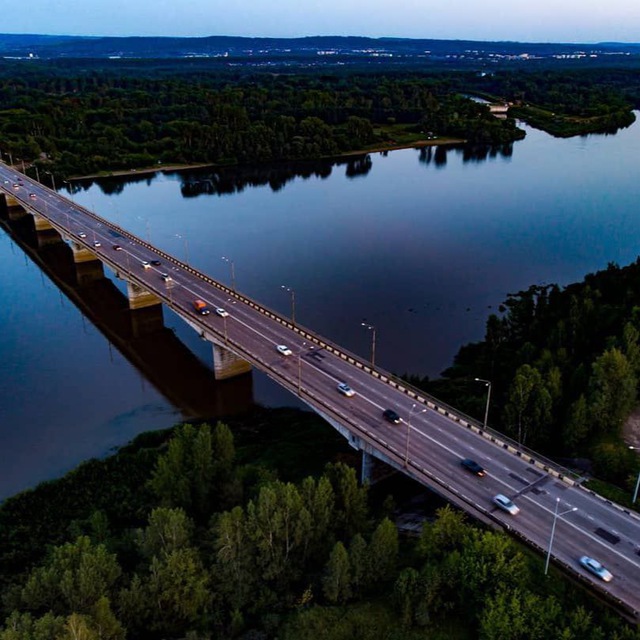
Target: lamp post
point(556, 515)
point(371, 328)
point(302, 348)
point(37, 172)
point(292, 293)
point(53, 180)
point(635, 491)
point(186, 246)
point(406, 448)
point(487, 383)
point(233, 272)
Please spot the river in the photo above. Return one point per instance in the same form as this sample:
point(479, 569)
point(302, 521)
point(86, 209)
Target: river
point(422, 244)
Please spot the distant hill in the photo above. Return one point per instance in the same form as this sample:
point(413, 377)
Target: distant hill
point(316, 47)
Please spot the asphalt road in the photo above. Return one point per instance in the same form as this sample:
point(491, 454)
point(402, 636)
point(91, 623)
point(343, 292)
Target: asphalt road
point(429, 444)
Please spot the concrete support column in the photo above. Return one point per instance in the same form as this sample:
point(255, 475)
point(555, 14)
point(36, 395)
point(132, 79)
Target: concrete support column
point(227, 364)
point(41, 224)
point(140, 298)
point(12, 203)
point(367, 468)
point(81, 253)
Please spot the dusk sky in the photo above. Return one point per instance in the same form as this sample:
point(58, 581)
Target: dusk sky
point(521, 20)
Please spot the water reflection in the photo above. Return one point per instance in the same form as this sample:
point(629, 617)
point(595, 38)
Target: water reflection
point(141, 335)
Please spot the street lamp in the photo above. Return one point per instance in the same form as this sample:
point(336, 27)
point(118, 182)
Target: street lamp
point(293, 302)
point(186, 246)
point(53, 180)
point(233, 272)
point(487, 384)
point(406, 448)
point(556, 515)
point(635, 491)
point(373, 342)
point(302, 348)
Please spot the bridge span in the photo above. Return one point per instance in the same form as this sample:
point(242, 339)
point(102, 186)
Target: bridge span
point(429, 442)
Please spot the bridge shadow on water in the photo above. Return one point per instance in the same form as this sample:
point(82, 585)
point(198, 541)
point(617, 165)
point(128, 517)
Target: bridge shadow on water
point(140, 336)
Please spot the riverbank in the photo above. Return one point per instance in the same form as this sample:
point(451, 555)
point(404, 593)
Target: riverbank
point(378, 148)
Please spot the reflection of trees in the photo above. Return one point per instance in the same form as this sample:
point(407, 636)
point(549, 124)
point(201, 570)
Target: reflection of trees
point(359, 167)
point(276, 176)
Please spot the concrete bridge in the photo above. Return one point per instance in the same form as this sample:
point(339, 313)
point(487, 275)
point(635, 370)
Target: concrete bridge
point(558, 516)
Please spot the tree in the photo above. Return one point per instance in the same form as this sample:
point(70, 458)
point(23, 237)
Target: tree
point(168, 530)
point(235, 559)
point(383, 552)
point(528, 410)
point(577, 427)
point(612, 390)
point(351, 500)
point(336, 583)
point(74, 578)
point(358, 558)
point(177, 587)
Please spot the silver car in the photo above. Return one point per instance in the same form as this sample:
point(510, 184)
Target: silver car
point(505, 504)
point(593, 566)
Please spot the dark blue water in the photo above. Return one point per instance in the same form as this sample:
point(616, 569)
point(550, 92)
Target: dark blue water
point(422, 245)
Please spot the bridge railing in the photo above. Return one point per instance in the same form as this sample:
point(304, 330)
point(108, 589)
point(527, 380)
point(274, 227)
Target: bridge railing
point(419, 396)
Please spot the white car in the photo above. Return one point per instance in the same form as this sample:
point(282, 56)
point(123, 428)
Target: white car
point(346, 390)
point(505, 504)
point(82, 234)
point(166, 277)
point(97, 243)
point(145, 264)
point(284, 350)
point(596, 568)
point(221, 312)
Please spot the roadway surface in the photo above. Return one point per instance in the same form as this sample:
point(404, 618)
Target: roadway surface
point(427, 444)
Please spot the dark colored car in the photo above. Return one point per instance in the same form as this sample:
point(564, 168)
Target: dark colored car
point(391, 416)
point(156, 263)
point(473, 466)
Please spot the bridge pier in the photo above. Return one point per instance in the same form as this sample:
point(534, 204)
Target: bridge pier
point(227, 364)
point(366, 468)
point(41, 224)
point(140, 298)
point(81, 253)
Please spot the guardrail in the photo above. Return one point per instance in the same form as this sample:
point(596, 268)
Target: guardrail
point(420, 397)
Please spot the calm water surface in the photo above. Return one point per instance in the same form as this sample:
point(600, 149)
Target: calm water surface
point(423, 245)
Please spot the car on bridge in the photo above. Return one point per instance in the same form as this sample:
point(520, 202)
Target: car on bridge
point(97, 243)
point(222, 312)
point(156, 263)
point(593, 566)
point(117, 247)
point(391, 416)
point(473, 466)
point(145, 264)
point(346, 390)
point(82, 234)
point(165, 277)
point(505, 504)
point(284, 350)
point(32, 196)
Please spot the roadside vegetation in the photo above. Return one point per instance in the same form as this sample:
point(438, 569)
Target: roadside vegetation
point(565, 370)
point(176, 537)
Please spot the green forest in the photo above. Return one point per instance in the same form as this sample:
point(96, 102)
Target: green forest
point(179, 536)
point(565, 370)
point(86, 118)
